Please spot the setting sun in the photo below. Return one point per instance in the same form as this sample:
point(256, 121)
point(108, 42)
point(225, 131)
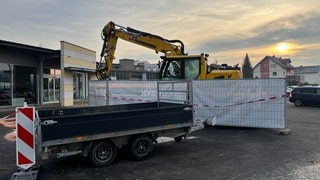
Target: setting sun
point(282, 47)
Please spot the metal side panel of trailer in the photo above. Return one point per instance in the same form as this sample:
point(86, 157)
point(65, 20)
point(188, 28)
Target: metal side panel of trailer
point(92, 121)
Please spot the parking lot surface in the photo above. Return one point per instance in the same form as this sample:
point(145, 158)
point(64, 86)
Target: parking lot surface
point(211, 153)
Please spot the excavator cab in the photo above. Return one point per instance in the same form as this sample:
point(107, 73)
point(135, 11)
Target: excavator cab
point(194, 67)
point(180, 67)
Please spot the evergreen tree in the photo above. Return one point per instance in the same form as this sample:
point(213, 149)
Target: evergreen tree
point(247, 69)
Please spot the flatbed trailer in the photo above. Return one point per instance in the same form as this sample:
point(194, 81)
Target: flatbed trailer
point(98, 132)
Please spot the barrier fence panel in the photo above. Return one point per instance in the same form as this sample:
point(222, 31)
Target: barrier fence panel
point(125, 92)
point(98, 93)
point(247, 103)
point(175, 91)
point(122, 92)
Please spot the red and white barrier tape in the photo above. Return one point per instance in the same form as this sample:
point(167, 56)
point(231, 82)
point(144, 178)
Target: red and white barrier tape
point(248, 102)
point(204, 105)
point(129, 99)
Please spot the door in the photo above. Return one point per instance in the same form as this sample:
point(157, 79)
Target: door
point(51, 89)
point(79, 86)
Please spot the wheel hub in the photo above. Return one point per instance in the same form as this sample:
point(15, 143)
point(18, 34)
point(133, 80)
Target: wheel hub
point(104, 153)
point(142, 147)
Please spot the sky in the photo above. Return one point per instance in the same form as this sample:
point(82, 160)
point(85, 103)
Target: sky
point(226, 30)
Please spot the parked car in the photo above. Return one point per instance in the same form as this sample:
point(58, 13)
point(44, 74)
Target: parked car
point(290, 88)
point(304, 96)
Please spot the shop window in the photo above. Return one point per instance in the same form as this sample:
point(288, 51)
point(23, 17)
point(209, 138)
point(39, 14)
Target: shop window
point(25, 85)
point(5, 85)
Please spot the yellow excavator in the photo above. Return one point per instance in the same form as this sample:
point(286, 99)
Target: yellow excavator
point(175, 64)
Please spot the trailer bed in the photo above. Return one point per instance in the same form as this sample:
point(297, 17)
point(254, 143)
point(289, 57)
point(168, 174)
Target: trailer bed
point(92, 121)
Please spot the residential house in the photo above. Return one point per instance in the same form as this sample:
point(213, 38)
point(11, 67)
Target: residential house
point(308, 74)
point(273, 67)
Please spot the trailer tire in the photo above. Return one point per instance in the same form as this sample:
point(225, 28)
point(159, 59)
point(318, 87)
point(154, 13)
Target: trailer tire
point(103, 153)
point(140, 147)
point(178, 139)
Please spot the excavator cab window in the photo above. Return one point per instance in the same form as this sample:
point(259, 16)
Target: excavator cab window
point(171, 69)
point(191, 69)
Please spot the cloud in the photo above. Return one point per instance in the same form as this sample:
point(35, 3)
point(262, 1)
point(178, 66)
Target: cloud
point(298, 29)
point(225, 28)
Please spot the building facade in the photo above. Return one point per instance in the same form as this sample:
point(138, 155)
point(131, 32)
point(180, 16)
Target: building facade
point(273, 67)
point(128, 69)
point(39, 75)
point(308, 74)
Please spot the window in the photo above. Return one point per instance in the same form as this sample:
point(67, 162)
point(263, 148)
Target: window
point(5, 84)
point(51, 85)
point(79, 86)
point(297, 90)
point(25, 85)
point(172, 70)
point(273, 65)
point(192, 69)
point(274, 73)
point(309, 90)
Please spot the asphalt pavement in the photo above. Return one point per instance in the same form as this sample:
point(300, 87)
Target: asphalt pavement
point(211, 153)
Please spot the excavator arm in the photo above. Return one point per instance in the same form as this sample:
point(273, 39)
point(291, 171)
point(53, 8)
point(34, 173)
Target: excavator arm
point(110, 34)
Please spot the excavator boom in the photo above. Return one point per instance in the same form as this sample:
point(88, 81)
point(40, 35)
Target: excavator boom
point(110, 34)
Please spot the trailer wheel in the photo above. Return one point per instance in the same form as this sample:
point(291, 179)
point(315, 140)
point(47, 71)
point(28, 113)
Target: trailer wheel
point(103, 153)
point(140, 147)
point(178, 139)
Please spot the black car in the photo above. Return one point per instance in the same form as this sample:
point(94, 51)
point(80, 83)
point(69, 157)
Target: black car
point(305, 96)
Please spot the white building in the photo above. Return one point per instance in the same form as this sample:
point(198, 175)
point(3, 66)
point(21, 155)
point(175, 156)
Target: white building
point(39, 75)
point(308, 74)
point(148, 66)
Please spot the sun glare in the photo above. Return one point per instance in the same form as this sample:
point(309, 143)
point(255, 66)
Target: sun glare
point(282, 47)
